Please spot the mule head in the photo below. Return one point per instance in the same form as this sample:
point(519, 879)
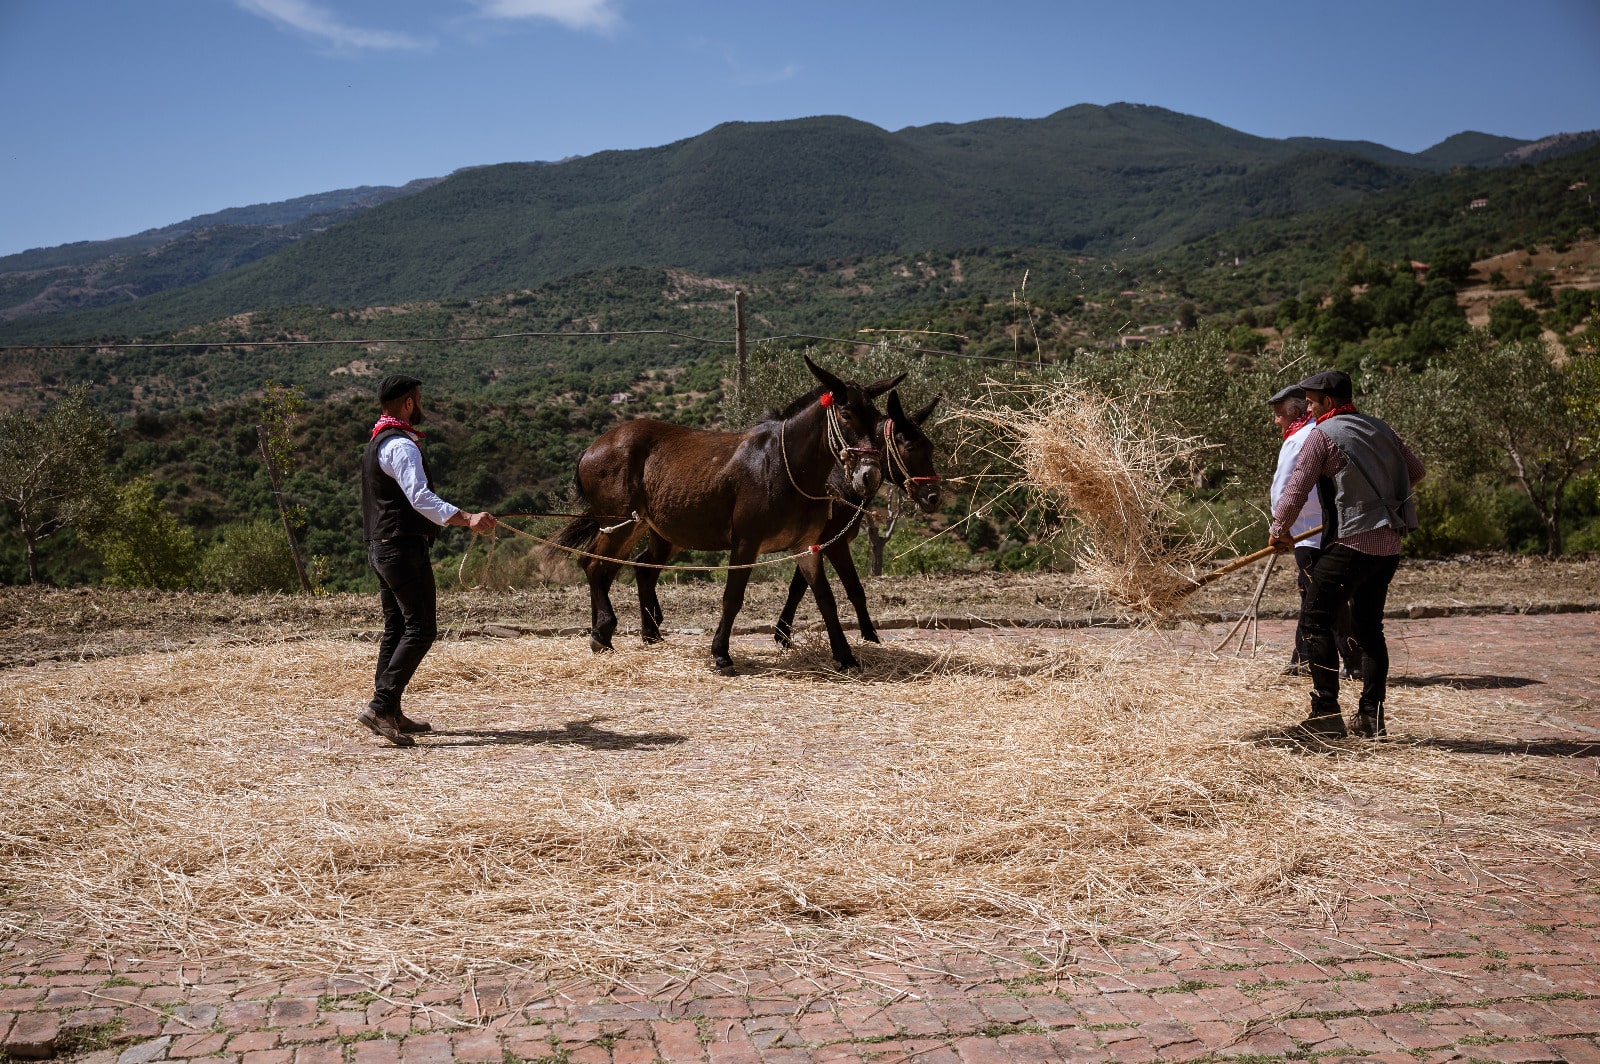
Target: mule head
point(851, 413)
point(909, 461)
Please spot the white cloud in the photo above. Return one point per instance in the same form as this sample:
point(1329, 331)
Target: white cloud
point(324, 25)
point(600, 15)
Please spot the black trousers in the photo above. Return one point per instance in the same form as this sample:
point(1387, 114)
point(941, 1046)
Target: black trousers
point(410, 615)
point(1344, 576)
point(1305, 559)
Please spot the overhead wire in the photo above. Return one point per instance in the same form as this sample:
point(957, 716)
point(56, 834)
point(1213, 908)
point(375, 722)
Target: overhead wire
point(559, 335)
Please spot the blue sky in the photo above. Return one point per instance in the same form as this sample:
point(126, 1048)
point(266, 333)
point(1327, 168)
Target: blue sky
point(121, 115)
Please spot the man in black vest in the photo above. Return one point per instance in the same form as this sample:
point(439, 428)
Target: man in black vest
point(1363, 474)
point(401, 517)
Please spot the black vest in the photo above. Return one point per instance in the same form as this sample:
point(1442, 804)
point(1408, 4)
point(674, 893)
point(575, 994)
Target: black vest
point(385, 510)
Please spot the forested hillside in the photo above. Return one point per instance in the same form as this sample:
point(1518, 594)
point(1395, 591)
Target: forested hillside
point(95, 273)
point(1387, 287)
point(742, 197)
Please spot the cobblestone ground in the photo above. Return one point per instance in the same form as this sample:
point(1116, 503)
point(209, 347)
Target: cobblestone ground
point(1497, 962)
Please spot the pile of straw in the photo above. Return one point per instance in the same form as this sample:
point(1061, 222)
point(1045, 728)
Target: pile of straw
point(1107, 465)
point(636, 811)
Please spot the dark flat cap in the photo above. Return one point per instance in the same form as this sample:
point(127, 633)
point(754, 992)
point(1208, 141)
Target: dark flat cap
point(1330, 381)
point(395, 385)
point(1293, 391)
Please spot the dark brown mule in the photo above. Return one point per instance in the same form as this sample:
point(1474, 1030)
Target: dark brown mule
point(748, 493)
point(908, 465)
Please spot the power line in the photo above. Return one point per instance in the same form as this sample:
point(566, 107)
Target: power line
point(213, 344)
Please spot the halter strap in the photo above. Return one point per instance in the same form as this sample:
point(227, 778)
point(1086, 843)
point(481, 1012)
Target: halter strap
point(894, 457)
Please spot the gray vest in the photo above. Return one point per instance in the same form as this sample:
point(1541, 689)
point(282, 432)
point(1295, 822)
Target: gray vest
point(1373, 489)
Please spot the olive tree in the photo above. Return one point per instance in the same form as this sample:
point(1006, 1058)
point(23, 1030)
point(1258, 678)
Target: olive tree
point(1502, 410)
point(52, 469)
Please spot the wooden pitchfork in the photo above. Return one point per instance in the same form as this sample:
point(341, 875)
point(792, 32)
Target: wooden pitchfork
point(1249, 623)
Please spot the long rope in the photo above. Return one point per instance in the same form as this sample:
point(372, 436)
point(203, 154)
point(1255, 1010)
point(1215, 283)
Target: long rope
point(815, 548)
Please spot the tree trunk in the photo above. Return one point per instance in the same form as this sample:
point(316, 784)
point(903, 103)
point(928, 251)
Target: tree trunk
point(28, 539)
point(1552, 529)
point(876, 541)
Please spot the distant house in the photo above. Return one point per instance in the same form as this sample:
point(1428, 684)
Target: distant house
point(1479, 203)
point(1576, 185)
point(1419, 268)
point(618, 398)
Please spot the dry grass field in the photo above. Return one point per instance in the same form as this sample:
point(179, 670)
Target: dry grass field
point(201, 783)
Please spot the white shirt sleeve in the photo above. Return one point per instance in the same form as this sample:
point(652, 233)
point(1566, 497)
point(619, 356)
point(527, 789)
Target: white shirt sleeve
point(1311, 513)
point(400, 458)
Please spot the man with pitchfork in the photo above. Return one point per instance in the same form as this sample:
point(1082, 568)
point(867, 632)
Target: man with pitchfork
point(1294, 420)
point(1364, 475)
point(401, 517)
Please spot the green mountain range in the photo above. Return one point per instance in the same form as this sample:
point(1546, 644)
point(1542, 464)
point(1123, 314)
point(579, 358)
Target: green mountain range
point(1110, 181)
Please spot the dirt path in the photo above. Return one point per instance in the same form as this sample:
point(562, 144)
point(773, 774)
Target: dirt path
point(1492, 959)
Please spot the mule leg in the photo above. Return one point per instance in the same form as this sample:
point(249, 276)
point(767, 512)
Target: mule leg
point(784, 630)
point(602, 617)
point(656, 552)
point(743, 553)
point(820, 590)
point(844, 563)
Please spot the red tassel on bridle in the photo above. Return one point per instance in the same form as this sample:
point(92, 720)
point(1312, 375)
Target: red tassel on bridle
point(827, 399)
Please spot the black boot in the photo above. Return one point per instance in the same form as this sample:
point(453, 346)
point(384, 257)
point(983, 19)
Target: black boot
point(1369, 720)
point(1325, 721)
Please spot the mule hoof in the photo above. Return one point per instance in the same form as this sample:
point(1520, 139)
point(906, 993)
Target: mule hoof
point(852, 666)
point(782, 637)
point(870, 635)
point(599, 647)
point(652, 640)
point(725, 667)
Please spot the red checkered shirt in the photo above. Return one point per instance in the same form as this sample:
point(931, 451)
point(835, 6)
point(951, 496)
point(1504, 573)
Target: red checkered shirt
point(1320, 458)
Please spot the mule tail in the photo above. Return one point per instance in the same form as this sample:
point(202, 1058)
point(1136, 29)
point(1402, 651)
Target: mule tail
point(580, 533)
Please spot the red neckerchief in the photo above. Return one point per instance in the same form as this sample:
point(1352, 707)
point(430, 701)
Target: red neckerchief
point(1298, 425)
point(389, 421)
point(1342, 408)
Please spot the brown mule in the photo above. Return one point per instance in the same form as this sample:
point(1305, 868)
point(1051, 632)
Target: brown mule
point(908, 465)
point(747, 493)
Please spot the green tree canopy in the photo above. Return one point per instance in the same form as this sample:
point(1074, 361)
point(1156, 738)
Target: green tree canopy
point(52, 469)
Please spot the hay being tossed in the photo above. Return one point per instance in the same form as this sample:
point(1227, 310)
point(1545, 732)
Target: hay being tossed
point(639, 812)
point(1105, 465)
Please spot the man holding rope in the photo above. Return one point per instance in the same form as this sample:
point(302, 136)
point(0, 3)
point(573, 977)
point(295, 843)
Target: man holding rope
point(401, 517)
point(1364, 475)
point(1294, 420)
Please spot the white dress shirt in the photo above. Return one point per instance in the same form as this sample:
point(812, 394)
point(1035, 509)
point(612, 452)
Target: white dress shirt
point(1311, 513)
point(400, 458)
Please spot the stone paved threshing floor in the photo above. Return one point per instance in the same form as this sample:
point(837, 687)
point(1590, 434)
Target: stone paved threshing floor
point(1497, 963)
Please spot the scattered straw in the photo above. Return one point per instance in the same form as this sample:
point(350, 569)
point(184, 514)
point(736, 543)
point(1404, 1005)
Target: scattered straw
point(1104, 464)
point(638, 811)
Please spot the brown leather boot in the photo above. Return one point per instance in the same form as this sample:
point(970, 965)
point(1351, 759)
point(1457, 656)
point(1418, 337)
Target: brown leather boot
point(409, 726)
point(384, 726)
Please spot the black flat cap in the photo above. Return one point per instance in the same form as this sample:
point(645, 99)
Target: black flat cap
point(1293, 391)
point(395, 385)
point(1331, 382)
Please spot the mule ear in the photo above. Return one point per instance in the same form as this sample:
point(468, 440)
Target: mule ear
point(876, 389)
point(829, 381)
point(922, 415)
point(896, 412)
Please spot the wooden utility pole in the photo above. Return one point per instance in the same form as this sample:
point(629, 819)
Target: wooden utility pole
point(742, 379)
point(276, 475)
